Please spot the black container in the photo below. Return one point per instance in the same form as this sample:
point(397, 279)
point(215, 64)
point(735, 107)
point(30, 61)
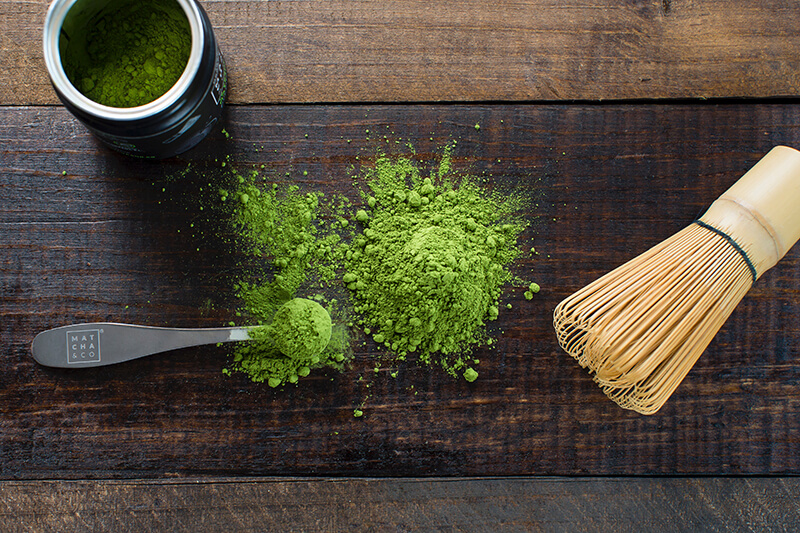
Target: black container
point(167, 126)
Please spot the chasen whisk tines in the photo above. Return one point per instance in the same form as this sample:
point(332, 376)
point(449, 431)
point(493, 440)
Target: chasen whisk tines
point(636, 327)
point(640, 328)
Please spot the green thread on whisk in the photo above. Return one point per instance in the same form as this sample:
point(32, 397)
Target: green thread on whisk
point(733, 243)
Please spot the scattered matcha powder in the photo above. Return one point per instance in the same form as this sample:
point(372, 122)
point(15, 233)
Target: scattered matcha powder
point(533, 288)
point(283, 229)
point(425, 260)
point(282, 224)
point(431, 262)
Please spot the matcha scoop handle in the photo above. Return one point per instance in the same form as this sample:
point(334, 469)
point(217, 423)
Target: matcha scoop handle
point(107, 343)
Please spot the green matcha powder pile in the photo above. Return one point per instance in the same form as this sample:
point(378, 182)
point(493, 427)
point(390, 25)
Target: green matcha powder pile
point(425, 262)
point(431, 262)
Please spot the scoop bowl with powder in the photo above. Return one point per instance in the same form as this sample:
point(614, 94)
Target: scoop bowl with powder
point(300, 336)
point(301, 328)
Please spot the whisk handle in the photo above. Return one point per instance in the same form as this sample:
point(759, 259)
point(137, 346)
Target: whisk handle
point(761, 211)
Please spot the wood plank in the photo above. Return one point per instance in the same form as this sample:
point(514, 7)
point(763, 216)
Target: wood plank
point(470, 50)
point(507, 504)
point(103, 242)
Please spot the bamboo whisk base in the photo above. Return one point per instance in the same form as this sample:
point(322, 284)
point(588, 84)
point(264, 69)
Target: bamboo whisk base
point(640, 328)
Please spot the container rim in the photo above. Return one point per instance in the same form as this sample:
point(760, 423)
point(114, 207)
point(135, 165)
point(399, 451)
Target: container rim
point(56, 14)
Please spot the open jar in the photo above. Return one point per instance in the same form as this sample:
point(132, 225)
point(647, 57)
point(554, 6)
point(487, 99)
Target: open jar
point(112, 65)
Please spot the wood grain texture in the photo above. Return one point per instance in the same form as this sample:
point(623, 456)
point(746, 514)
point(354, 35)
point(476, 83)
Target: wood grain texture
point(88, 235)
point(470, 51)
point(332, 505)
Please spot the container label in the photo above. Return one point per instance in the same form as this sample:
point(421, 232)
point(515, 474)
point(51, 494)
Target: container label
point(219, 83)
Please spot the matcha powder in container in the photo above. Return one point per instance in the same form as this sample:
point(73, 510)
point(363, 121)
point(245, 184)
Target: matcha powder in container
point(145, 76)
point(131, 55)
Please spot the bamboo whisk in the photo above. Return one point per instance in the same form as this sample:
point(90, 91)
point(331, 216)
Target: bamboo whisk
point(640, 328)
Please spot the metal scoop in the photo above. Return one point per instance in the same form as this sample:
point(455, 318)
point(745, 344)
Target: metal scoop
point(107, 343)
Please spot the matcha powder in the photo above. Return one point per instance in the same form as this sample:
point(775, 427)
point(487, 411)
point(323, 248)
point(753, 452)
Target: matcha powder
point(132, 54)
point(301, 328)
point(279, 226)
point(425, 262)
point(431, 262)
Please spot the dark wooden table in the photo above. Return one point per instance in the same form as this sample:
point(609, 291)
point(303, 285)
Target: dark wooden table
point(628, 118)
